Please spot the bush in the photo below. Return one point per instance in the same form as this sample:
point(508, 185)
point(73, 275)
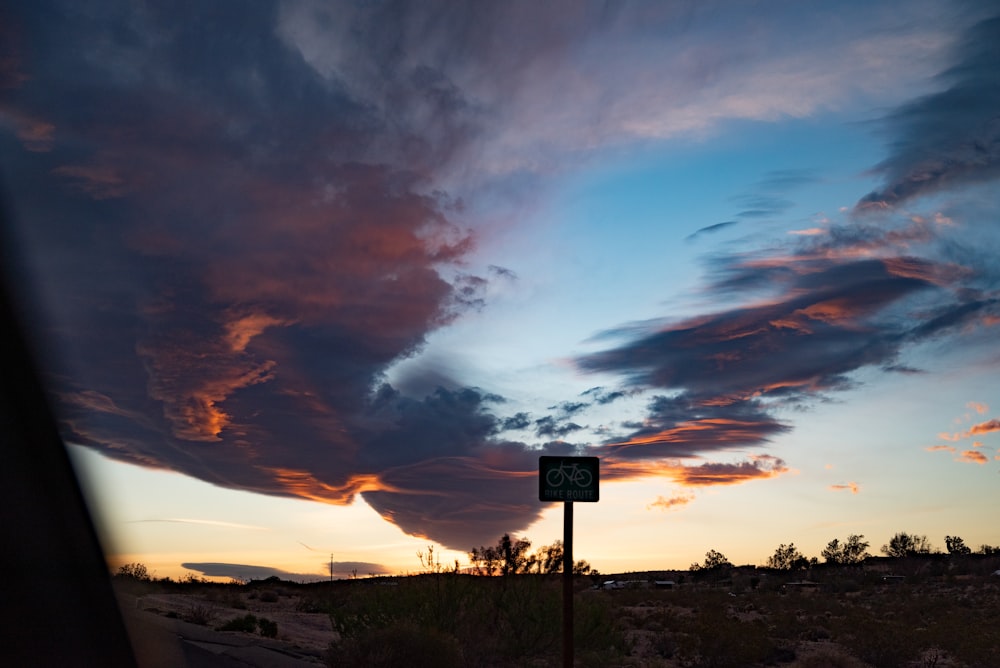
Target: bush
point(268, 596)
point(134, 571)
point(404, 645)
point(200, 613)
point(245, 624)
point(268, 629)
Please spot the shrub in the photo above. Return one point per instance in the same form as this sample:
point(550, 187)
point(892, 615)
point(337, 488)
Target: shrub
point(403, 645)
point(245, 624)
point(268, 629)
point(200, 613)
point(134, 571)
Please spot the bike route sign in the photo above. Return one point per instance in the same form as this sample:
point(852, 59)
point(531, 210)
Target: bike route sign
point(568, 479)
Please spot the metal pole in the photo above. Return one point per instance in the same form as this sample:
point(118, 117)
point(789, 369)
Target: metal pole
point(568, 585)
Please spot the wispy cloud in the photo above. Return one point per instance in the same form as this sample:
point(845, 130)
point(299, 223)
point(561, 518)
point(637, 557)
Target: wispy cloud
point(672, 503)
point(951, 138)
point(851, 487)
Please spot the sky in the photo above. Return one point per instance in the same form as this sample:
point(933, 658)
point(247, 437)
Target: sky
point(318, 282)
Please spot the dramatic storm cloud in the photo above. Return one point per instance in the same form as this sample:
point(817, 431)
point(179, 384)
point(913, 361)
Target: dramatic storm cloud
point(239, 219)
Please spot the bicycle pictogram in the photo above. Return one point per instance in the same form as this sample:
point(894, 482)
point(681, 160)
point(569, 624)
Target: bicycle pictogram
point(573, 474)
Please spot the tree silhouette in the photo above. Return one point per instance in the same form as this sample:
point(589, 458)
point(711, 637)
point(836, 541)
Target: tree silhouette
point(906, 545)
point(787, 558)
point(956, 545)
point(714, 561)
point(851, 552)
point(513, 555)
point(508, 557)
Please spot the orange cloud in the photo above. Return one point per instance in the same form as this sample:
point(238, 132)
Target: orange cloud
point(984, 427)
point(832, 311)
point(710, 473)
point(851, 486)
point(973, 457)
point(243, 328)
point(940, 448)
point(938, 274)
point(305, 485)
point(978, 407)
point(729, 430)
point(193, 380)
point(730, 474)
point(672, 503)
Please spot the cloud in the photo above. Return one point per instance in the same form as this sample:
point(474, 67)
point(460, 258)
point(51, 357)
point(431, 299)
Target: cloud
point(673, 503)
point(247, 572)
point(241, 217)
point(973, 457)
point(550, 427)
point(711, 229)
point(984, 427)
point(691, 67)
point(517, 421)
point(760, 467)
point(951, 138)
point(852, 487)
point(978, 407)
point(940, 448)
point(755, 467)
point(728, 370)
point(987, 427)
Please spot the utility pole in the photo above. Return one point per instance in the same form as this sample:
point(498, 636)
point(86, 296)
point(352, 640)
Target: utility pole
point(331, 567)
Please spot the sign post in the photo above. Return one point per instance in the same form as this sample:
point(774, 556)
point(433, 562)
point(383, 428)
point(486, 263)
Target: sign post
point(568, 479)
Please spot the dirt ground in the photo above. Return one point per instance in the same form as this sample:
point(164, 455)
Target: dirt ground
point(182, 629)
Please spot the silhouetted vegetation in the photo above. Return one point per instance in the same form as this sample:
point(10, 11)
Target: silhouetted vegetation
point(510, 556)
point(134, 571)
point(906, 545)
point(852, 551)
point(916, 610)
point(252, 624)
point(956, 545)
point(788, 558)
point(714, 561)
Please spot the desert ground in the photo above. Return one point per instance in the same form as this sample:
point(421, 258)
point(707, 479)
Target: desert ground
point(745, 618)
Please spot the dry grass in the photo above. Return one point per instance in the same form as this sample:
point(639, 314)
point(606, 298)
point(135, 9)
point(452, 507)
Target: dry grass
point(476, 621)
